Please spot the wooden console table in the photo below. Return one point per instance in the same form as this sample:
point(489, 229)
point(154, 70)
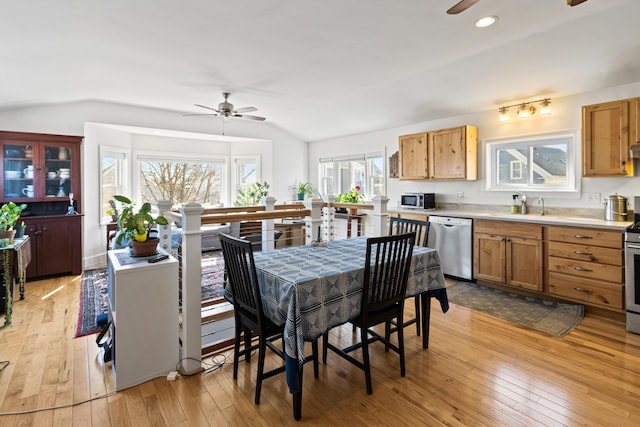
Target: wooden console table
point(16, 257)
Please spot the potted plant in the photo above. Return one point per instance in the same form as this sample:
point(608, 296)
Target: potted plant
point(250, 195)
point(9, 215)
point(136, 225)
point(303, 189)
point(351, 196)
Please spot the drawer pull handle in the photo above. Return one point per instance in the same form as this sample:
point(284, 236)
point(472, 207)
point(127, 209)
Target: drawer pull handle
point(582, 269)
point(582, 253)
point(588, 291)
point(580, 236)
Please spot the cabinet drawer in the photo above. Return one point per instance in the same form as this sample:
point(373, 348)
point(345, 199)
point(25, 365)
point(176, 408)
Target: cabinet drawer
point(508, 228)
point(586, 253)
point(592, 291)
point(586, 269)
point(586, 236)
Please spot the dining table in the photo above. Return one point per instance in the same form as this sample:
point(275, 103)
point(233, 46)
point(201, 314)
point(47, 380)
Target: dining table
point(313, 288)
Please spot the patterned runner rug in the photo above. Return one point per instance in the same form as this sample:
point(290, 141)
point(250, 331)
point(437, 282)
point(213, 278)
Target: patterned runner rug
point(93, 291)
point(546, 316)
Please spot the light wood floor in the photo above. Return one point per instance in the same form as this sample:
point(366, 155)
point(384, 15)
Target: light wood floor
point(478, 371)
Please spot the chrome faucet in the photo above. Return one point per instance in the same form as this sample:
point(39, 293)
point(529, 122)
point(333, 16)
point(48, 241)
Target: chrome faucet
point(541, 202)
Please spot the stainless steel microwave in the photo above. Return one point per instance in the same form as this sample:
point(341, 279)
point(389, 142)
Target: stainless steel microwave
point(418, 200)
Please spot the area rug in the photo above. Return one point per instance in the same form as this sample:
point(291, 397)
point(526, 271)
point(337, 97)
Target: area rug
point(545, 316)
point(93, 291)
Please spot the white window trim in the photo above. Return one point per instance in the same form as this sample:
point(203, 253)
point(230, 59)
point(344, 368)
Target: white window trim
point(114, 152)
point(491, 166)
point(354, 157)
point(234, 184)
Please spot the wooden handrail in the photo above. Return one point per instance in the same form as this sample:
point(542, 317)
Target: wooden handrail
point(253, 216)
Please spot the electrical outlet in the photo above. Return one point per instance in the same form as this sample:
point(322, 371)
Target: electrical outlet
point(460, 195)
point(593, 197)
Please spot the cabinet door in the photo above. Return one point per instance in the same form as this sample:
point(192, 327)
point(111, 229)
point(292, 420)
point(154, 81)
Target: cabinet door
point(450, 156)
point(605, 139)
point(413, 156)
point(634, 120)
point(489, 259)
point(524, 263)
point(18, 171)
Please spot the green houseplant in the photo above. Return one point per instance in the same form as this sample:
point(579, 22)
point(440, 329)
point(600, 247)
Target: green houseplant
point(303, 189)
point(250, 195)
point(9, 215)
point(136, 225)
point(351, 196)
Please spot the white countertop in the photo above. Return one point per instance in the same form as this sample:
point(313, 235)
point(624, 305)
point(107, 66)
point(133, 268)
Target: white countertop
point(534, 218)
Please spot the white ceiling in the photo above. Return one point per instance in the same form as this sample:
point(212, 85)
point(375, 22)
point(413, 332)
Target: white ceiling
point(317, 69)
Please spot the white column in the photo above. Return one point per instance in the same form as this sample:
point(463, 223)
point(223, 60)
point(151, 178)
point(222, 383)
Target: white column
point(191, 352)
point(329, 219)
point(313, 222)
point(268, 237)
point(379, 216)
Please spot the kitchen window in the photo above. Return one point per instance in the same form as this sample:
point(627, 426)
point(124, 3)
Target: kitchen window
point(339, 174)
point(537, 163)
point(113, 179)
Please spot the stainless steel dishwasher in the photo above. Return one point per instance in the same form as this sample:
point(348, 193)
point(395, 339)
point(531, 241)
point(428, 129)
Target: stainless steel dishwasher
point(453, 239)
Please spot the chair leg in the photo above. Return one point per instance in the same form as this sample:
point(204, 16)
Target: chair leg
point(236, 349)
point(401, 349)
point(417, 303)
point(314, 348)
point(387, 334)
point(325, 340)
point(247, 344)
point(261, 357)
point(365, 358)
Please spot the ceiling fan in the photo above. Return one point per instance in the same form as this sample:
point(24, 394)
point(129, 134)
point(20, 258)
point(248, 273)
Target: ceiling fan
point(463, 5)
point(226, 109)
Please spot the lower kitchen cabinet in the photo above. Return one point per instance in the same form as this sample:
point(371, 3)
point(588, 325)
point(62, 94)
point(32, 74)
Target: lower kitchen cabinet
point(509, 253)
point(587, 265)
point(56, 245)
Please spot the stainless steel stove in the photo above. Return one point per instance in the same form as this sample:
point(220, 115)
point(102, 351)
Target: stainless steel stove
point(632, 270)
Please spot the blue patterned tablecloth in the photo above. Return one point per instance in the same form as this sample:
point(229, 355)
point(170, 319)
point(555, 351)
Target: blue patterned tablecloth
point(312, 289)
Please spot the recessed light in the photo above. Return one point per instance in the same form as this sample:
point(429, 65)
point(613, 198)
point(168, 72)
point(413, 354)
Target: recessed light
point(486, 21)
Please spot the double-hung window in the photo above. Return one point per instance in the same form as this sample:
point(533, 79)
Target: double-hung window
point(338, 175)
point(114, 177)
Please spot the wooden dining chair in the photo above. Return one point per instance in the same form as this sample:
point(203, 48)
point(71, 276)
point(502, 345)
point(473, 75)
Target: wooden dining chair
point(386, 270)
point(249, 313)
point(421, 228)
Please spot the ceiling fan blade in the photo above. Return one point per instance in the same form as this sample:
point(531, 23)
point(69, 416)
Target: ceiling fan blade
point(208, 108)
point(575, 2)
point(201, 114)
point(246, 110)
point(461, 6)
point(250, 117)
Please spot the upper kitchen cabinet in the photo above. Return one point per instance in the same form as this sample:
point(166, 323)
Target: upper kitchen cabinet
point(40, 168)
point(445, 154)
point(605, 139)
point(454, 153)
point(413, 156)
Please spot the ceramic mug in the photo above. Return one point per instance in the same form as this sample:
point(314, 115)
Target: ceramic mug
point(28, 191)
point(28, 171)
point(52, 175)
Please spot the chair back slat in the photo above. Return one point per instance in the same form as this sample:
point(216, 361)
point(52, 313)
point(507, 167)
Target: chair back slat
point(241, 275)
point(386, 270)
point(405, 225)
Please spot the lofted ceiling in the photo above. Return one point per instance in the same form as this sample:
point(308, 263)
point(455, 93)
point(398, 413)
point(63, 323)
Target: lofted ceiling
point(316, 69)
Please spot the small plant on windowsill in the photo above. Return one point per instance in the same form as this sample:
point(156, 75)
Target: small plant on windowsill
point(303, 189)
point(250, 195)
point(136, 226)
point(351, 196)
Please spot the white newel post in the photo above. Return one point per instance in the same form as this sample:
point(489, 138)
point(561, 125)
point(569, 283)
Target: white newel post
point(268, 235)
point(379, 215)
point(191, 352)
point(329, 218)
point(164, 231)
point(313, 222)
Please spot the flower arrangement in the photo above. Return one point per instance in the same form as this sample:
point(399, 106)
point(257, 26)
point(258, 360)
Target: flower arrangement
point(351, 196)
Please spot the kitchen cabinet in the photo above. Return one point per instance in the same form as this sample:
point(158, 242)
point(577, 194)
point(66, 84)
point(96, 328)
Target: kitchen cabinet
point(509, 253)
point(56, 245)
point(605, 139)
point(634, 120)
point(445, 154)
point(586, 265)
point(43, 171)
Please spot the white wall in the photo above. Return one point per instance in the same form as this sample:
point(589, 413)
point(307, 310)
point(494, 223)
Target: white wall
point(566, 115)
point(284, 158)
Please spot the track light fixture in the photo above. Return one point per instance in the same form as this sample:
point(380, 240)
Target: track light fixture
point(525, 109)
